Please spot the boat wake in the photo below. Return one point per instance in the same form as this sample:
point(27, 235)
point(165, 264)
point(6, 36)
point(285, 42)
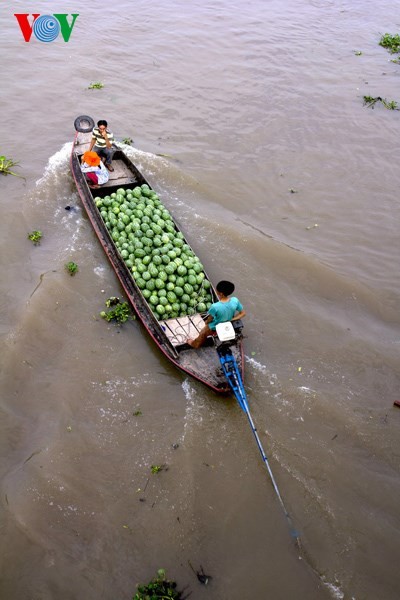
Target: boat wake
point(194, 406)
point(334, 590)
point(57, 167)
point(188, 390)
point(54, 189)
point(255, 364)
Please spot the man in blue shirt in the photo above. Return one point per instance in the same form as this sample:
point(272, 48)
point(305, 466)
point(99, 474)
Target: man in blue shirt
point(226, 309)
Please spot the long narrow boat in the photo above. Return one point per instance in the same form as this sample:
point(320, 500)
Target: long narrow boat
point(170, 334)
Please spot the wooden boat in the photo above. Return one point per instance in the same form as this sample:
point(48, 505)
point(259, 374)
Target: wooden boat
point(170, 335)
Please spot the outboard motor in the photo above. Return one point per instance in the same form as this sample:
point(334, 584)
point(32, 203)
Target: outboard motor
point(227, 335)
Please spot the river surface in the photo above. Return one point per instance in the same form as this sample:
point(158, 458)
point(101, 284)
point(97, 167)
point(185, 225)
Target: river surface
point(247, 117)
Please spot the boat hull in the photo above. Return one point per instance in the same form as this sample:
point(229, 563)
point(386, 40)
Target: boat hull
point(202, 364)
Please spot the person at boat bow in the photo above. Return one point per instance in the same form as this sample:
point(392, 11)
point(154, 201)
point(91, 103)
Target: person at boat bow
point(226, 309)
point(94, 169)
point(102, 143)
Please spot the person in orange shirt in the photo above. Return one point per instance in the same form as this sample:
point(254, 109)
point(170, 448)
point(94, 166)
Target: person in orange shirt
point(95, 171)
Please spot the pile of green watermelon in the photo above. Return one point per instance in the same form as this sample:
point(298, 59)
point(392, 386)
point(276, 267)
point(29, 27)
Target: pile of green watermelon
point(165, 268)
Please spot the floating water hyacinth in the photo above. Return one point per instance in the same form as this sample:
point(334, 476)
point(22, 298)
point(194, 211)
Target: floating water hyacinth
point(35, 237)
point(370, 101)
point(159, 587)
point(97, 85)
point(6, 164)
point(390, 42)
point(71, 268)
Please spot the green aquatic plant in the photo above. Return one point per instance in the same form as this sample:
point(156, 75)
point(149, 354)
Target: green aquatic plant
point(158, 588)
point(6, 164)
point(121, 313)
point(370, 101)
point(112, 301)
point(157, 468)
point(390, 42)
point(97, 85)
point(128, 141)
point(35, 237)
point(71, 267)
point(390, 104)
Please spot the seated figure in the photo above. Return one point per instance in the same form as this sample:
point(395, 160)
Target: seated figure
point(94, 169)
point(226, 309)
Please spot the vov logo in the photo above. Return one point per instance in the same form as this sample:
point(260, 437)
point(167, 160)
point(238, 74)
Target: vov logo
point(46, 28)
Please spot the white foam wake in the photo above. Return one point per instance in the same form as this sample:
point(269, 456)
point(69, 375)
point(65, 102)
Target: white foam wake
point(58, 165)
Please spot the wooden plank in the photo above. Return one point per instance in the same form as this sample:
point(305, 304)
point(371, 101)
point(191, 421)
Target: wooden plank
point(121, 175)
point(180, 329)
point(82, 142)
